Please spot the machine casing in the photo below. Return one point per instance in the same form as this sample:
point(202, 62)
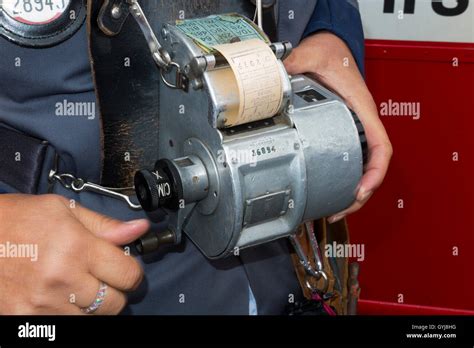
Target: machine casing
point(262, 179)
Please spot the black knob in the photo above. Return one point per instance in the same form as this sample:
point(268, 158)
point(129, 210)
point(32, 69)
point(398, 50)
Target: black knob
point(160, 188)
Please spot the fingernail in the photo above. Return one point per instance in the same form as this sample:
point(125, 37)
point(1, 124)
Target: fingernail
point(336, 218)
point(363, 195)
point(137, 222)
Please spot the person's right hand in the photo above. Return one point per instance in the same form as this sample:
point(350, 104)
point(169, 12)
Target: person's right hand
point(77, 249)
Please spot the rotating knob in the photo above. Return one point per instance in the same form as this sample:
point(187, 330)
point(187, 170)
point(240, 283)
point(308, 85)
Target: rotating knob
point(160, 188)
point(172, 184)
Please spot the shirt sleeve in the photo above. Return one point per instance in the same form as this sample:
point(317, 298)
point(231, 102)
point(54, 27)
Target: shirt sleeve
point(342, 18)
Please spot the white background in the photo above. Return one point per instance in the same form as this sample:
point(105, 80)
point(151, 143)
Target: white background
point(424, 25)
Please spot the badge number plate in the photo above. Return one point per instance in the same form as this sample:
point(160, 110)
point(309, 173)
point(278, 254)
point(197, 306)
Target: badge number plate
point(41, 23)
point(35, 12)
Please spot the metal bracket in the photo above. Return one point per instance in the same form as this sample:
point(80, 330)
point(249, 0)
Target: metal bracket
point(112, 16)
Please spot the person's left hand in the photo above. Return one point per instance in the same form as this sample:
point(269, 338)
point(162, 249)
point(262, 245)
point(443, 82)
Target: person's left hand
point(327, 58)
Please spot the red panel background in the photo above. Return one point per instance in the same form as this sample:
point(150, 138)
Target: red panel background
point(409, 251)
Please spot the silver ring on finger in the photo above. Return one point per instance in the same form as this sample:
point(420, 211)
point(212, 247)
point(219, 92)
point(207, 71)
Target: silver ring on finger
point(98, 301)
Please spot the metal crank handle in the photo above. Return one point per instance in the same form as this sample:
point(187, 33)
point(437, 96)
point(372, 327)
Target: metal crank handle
point(80, 186)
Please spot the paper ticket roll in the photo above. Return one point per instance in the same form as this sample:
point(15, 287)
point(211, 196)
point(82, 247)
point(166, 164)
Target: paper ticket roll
point(220, 29)
point(257, 73)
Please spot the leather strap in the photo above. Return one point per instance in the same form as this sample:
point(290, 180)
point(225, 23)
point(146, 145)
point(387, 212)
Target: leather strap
point(22, 160)
point(126, 81)
point(269, 23)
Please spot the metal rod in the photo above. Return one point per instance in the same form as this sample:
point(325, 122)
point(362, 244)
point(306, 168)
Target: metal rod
point(210, 62)
point(259, 14)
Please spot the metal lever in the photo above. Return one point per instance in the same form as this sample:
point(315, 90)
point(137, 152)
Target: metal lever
point(160, 56)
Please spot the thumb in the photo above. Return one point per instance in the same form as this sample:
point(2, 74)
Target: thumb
point(292, 64)
point(112, 230)
point(301, 60)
